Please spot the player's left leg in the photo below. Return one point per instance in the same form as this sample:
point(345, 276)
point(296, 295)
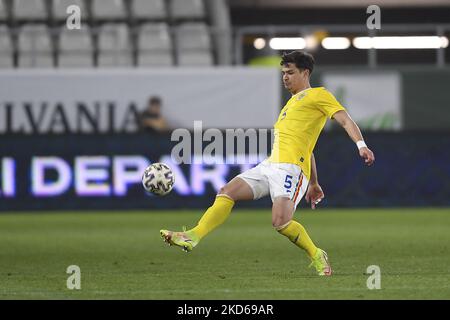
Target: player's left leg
point(287, 186)
point(282, 212)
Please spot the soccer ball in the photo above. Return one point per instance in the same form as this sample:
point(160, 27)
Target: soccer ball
point(158, 179)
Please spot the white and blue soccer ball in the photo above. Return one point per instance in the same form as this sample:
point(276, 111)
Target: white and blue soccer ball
point(158, 179)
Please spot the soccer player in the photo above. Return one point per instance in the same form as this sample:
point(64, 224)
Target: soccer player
point(290, 171)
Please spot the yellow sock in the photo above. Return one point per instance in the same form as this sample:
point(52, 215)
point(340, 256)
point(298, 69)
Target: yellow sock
point(295, 232)
point(214, 216)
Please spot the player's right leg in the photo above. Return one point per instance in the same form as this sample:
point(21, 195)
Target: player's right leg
point(235, 190)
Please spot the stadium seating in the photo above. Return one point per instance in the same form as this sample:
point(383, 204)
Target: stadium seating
point(193, 36)
point(60, 8)
point(3, 14)
point(35, 47)
point(6, 58)
point(108, 9)
point(193, 45)
point(29, 9)
point(196, 59)
point(155, 46)
point(187, 9)
point(149, 9)
point(75, 48)
point(114, 46)
point(114, 33)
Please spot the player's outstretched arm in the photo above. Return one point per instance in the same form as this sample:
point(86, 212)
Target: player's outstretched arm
point(314, 193)
point(344, 119)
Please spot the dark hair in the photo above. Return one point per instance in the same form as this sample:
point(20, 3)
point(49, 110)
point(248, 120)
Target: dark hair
point(302, 60)
point(154, 100)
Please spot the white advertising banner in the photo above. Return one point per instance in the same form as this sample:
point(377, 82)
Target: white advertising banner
point(84, 101)
point(372, 99)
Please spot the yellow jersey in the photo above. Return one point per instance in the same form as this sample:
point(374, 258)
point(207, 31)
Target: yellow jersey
point(299, 125)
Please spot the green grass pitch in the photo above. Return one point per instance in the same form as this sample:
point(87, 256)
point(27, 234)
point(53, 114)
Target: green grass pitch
point(122, 256)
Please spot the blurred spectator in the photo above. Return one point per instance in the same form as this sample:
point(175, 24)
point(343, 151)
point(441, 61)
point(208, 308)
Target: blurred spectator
point(151, 119)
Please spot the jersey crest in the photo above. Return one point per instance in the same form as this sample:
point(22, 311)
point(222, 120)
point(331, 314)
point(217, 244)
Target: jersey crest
point(301, 95)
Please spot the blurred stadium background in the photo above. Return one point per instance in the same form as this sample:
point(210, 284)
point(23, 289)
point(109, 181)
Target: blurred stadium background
point(70, 104)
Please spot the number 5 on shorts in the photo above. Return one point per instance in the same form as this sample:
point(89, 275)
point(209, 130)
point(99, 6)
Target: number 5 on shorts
point(288, 183)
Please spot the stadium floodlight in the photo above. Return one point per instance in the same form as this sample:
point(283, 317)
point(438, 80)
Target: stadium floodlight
point(401, 42)
point(259, 43)
point(336, 43)
point(287, 43)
